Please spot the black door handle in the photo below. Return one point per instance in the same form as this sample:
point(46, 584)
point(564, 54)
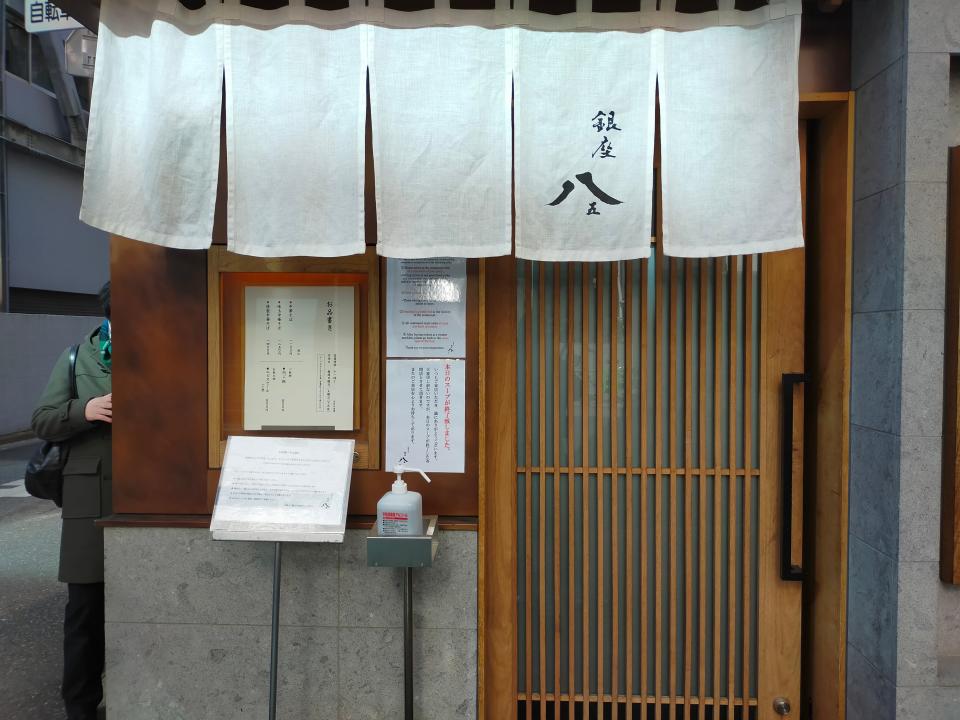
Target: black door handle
point(788, 571)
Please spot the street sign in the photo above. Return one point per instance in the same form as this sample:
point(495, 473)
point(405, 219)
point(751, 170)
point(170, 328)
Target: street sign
point(80, 52)
point(41, 16)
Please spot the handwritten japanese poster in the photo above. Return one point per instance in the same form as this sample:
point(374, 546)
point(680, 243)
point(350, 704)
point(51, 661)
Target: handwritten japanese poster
point(299, 358)
point(427, 307)
point(426, 414)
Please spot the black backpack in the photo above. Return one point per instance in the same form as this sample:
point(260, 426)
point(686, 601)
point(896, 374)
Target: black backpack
point(43, 477)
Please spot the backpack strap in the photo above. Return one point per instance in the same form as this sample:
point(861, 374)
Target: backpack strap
point(73, 371)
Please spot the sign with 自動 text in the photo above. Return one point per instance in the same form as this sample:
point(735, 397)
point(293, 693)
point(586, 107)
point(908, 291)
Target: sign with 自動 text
point(426, 414)
point(45, 16)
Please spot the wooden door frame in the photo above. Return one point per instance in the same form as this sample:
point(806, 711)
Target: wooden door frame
point(497, 563)
point(827, 447)
point(829, 279)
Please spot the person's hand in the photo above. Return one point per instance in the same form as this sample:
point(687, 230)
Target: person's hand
point(100, 408)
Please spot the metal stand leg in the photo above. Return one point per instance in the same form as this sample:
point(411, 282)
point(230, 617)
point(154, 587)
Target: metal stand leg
point(275, 633)
point(407, 644)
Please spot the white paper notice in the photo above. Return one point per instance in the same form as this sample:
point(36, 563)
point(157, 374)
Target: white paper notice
point(426, 414)
point(427, 307)
point(299, 355)
point(283, 489)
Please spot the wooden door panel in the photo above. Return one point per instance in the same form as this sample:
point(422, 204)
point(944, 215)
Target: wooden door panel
point(641, 391)
point(641, 567)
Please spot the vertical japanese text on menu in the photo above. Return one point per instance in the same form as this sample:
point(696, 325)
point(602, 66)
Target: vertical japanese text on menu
point(299, 358)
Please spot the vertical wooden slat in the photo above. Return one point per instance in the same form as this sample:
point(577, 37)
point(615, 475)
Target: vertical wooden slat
point(542, 486)
point(657, 484)
point(556, 462)
point(687, 481)
point(528, 492)
point(717, 476)
point(600, 464)
point(615, 280)
point(497, 562)
point(748, 271)
point(701, 490)
point(674, 462)
point(585, 487)
point(732, 485)
point(628, 461)
point(571, 501)
point(644, 479)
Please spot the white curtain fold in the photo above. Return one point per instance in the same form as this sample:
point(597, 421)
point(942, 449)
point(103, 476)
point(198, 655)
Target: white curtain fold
point(440, 107)
point(296, 113)
point(730, 154)
point(584, 145)
point(153, 147)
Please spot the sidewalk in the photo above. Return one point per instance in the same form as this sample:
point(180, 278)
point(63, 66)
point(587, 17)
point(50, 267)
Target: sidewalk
point(31, 598)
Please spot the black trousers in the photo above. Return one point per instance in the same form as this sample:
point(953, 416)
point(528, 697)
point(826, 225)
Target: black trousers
point(83, 650)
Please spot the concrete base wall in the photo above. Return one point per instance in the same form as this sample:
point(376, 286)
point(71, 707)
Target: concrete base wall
point(188, 629)
point(31, 345)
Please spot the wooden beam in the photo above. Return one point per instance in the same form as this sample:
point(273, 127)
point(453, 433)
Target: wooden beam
point(950, 507)
point(497, 673)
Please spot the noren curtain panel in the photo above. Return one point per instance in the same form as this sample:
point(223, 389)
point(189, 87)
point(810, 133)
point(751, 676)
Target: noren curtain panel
point(499, 132)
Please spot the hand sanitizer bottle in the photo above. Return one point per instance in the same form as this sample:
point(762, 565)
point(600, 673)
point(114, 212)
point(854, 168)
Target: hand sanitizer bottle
point(400, 511)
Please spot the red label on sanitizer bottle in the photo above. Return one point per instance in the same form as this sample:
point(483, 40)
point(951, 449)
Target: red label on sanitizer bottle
point(395, 521)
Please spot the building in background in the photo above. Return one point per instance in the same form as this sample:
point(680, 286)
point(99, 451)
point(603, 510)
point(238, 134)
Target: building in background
point(52, 264)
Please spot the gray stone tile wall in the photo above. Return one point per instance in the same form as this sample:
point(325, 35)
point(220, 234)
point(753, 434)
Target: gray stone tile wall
point(902, 74)
point(870, 695)
point(878, 37)
point(878, 154)
point(874, 481)
point(872, 629)
point(188, 629)
point(878, 253)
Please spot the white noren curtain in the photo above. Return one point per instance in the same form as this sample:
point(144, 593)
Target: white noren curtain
point(729, 145)
point(583, 145)
point(296, 110)
point(153, 147)
point(440, 105)
point(477, 133)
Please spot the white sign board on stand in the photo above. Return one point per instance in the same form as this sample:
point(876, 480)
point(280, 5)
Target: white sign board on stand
point(283, 490)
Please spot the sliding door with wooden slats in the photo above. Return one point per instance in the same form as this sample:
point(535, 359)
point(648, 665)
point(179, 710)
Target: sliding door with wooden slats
point(644, 492)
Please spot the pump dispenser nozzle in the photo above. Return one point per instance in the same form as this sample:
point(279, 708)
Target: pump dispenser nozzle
point(399, 485)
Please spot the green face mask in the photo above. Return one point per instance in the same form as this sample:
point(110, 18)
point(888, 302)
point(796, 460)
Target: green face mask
point(106, 345)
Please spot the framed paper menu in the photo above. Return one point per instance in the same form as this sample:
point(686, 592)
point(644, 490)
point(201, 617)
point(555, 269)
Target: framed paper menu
point(299, 345)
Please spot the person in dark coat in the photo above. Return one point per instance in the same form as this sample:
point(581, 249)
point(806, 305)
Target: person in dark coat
point(85, 425)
